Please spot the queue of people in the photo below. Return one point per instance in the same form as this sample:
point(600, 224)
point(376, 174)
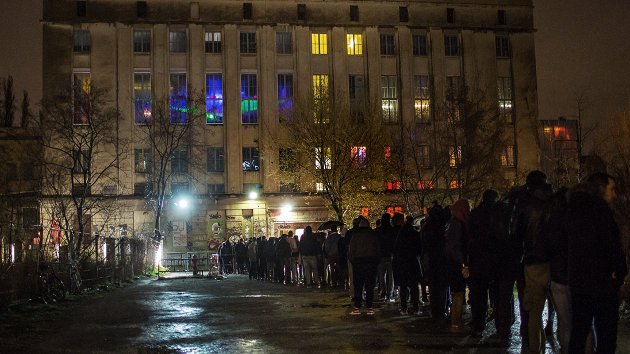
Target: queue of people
point(561, 248)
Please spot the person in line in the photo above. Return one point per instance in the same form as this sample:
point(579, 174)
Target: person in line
point(283, 259)
point(331, 256)
point(309, 248)
point(295, 258)
point(433, 236)
point(596, 264)
point(364, 255)
point(456, 240)
point(251, 254)
point(406, 264)
point(385, 235)
point(241, 256)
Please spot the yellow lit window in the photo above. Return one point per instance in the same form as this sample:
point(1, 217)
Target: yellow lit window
point(319, 43)
point(355, 44)
point(320, 86)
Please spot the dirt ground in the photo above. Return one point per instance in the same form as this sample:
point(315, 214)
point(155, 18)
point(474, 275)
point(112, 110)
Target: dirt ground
point(233, 315)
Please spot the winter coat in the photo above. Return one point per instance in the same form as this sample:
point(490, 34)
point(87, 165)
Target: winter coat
point(309, 245)
point(433, 246)
point(331, 245)
point(241, 251)
point(251, 250)
point(407, 251)
point(533, 225)
point(455, 242)
point(386, 239)
point(595, 251)
point(483, 245)
point(283, 248)
point(364, 246)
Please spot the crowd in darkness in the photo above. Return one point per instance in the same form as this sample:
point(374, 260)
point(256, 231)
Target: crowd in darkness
point(562, 247)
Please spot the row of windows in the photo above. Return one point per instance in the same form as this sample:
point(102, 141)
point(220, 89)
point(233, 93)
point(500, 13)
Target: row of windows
point(287, 158)
point(214, 98)
point(284, 43)
point(248, 10)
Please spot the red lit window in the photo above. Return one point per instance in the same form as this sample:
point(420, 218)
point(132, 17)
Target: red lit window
point(388, 152)
point(454, 184)
point(392, 185)
point(365, 212)
point(425, 184)
point(394, 209)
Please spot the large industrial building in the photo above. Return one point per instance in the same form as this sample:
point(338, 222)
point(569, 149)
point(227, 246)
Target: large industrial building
point(246, 57)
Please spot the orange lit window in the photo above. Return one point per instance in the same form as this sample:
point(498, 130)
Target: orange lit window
point(454, 184)
point(394, 209)
point(388, 153)
point(392, 185)
point(365, 212)
point(425, 184)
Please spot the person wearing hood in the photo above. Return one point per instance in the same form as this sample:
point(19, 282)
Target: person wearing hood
point(456, 240)
point(364, 254)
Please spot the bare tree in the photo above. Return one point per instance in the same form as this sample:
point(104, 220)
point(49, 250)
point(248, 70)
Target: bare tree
point(27, 116)
point(171, 135)
point(8, 100)
point(81, 154)
point(322, 142)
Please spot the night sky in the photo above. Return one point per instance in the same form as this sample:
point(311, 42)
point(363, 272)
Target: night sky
point(582, 48)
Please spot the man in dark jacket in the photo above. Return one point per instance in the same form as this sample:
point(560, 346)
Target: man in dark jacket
point(241, 256)
point(309, 249)
point(597, 264)
point(386, 240)
point(433, 235)
point(364, 255)
point(406, 264)
point(283, 259)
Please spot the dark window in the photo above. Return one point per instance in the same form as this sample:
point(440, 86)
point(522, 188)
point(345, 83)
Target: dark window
point(354, 13)
point(142, 160)
point(26, 171)
point(503, 47)
point(179, 187)
point(81, 8)
point(142, 41)
point(450, 15)
point(451, 45)
point(217, 188)
point(141, 9)
point(419, 44)
point(301, 12)
point(287, 160)
point(11, 171)
point(501, 17)
point(247, 11)
point(403, 14)
point(213, 42)
point(284, 43)
point(179, 161)
point(216, 159)
point(387, 44)
point(142, 188)
point(81, 162)
point(177, 41)
point(30, 217)
point(82, 41)
point(357, 96)
point(251, 159)
point(289, 187)
point(248, 42)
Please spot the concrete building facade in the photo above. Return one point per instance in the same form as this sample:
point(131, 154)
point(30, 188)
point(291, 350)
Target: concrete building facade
point(244, 57)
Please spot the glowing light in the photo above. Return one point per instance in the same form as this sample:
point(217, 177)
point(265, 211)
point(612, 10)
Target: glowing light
point(104, 252)
point(253, 195)
point(158, 256)
point(286, 208)
point(12, 253)
point(182, 203)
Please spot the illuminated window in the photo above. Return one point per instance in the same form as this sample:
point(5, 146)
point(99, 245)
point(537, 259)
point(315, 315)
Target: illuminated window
point(177, 41)
point(454, 184)
point(249, 99)
point(507, 156)
point(82, 41)
point(355, 44)
point(142, 160)
point(214, 99)
point(425, 184)
point(323, 160)
point(319, 43)
point(454, 155)
point(453, 98)
point(142, 41)
point(285, 94)
point(284, 43)
point(142, 98)
point(387, 44)
point(365, 211)
point(422, 98)
point(391, 210)
point(503, 47)
point(358, 155)
point(505, 99)
point(251, 159)
point(419, 42)
point(81, 85)
point(320, 96)
point(451, 45)
point(248, 42)
point(178, 94)
point(213, 42)
point(179, 161)
point(389, 98)
point(387, 153)
point(393, 185)
point(319, 187)
point(216, 159)
point(424, 157)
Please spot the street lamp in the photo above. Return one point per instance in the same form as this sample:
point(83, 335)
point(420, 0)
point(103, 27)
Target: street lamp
point(253, 195)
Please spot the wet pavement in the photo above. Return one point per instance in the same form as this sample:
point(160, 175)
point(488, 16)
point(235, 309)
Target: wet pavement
point(233, 315)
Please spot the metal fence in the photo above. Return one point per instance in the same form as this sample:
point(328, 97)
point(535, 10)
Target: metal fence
point(183, 262)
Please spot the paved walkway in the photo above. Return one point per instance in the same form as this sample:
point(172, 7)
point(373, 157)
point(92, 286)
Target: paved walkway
point(234, 315)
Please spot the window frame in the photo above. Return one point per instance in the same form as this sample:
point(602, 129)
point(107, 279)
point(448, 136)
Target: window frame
point(356, 49)
point(81, 41)
point(210, 42)
point(452, 46)
point(214, 101)
point(142, 41)
point(141, 99)
point(284, 45)
point(180, 156)
point(387, 44)
point(319, 43)
point(503, 47)
point(145, 154)
point(389, 95)
point(419, 43)
point(180, 117)
point(177, 41)
point(249, 98)
point(215, 159)
point(422, 98)
point(251, 153)
point(247, 42)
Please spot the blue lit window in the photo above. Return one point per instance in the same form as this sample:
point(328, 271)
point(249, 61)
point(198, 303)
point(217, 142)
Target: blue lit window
point(142, 98)
point(214, 99)
point(285, 93)
point(249, 99)
point(178, 99)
